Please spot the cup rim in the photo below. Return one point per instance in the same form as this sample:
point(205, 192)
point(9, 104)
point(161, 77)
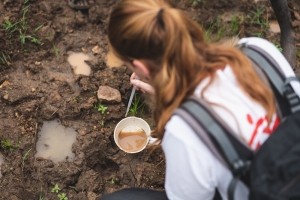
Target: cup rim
point(148, 136)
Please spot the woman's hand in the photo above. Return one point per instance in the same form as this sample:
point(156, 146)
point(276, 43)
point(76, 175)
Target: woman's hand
point(140, 85)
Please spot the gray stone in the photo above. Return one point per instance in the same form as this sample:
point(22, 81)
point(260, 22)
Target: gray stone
point(108, 94)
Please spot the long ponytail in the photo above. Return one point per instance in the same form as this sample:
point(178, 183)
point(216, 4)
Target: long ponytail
point(177, 55)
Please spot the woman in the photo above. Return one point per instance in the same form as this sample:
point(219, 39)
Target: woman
point(168, 52)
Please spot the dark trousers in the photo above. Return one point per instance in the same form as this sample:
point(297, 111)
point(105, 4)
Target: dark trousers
point(135, 194)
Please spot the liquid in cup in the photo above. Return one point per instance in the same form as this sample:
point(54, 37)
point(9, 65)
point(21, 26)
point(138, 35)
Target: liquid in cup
point(132, 138)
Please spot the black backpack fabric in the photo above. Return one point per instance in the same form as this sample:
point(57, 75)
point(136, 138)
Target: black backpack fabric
point(273, 172)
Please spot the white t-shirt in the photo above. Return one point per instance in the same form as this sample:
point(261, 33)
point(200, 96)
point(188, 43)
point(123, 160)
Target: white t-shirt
point(192, 171)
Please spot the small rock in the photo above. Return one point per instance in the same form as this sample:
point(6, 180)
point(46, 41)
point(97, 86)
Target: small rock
point(84, 50)
point(5, 83)
point(82, 133)
point(5, 96)
point(96, 50)
point(71, 31)
point(108, 94)
point(32, 89)
point(91, 42)
point(37, 63)
point(47, 33)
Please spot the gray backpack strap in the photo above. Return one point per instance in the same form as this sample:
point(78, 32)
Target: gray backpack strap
point(193, 123)
point(227, 148)
point(287, 100)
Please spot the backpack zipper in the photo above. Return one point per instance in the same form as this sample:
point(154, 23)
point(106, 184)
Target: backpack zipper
point(290, 184)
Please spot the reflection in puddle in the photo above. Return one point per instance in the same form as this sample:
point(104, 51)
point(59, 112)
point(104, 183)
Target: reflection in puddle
point(1, 162)
point(274, 26)
point(55, 142)
point(76, 60)
point(112, 60)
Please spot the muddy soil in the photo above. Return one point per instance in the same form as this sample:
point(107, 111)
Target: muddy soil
point(37, 84)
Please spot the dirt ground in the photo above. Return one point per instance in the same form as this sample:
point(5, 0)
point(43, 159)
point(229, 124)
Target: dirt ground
point(38, 84)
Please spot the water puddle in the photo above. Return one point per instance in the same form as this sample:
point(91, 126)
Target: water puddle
point(76, 60)
point(112, 60)
point(1, 162)
point(274, 26)
point(55, 142)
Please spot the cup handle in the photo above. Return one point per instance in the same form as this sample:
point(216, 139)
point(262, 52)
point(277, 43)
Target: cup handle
point(152, 140)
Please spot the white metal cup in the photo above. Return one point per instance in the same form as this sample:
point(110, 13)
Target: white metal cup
point(133, 121)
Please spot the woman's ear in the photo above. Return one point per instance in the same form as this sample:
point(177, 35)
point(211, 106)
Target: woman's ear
point(141, 69)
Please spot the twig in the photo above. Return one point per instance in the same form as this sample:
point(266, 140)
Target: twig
point(54, 112)
point(159, 162)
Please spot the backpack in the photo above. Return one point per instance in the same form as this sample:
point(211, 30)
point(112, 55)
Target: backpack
point(273, 172)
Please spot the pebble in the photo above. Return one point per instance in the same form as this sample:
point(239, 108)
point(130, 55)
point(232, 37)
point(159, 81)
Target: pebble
point(91, 42)
point(82, 133)
point(37, 63)
point(5, 96)
point(96, 50)
point(84, 50)
point(32, 89)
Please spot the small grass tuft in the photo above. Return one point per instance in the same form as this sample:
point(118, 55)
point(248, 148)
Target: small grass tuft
point(136, 105)
point(4, 59)
point(24, 158)
point(7, 145)
point(101, 108)
point(278, 47)
point(55, 188)
point(62, 196)
point(112, 181)
point(56, 50)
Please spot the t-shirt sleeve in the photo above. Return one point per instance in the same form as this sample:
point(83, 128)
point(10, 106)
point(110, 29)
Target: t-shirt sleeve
point(190, 171)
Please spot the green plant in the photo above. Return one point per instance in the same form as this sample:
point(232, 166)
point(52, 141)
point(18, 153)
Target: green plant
point(298, 53)
point(101, 108)
point(102, 123)
point(56, 50)
point(9, 27)
point(3, 58)
point(21, 27)
point(258, 34)
point(215, 25)
point(55, 188)
point(38, 28)
point(62, 196)
point(278, 47)
point(258, 19)
point(41, 194)
point(208, 32)
point(135, 105)
point(24, 158)
point(8, 145)
point(23, 38)
point(76, 99)
point(234, 24)
point(112, 181)
point(195, 2)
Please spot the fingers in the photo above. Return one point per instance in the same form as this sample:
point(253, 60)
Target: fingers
point(144, 87)
point(132, 77)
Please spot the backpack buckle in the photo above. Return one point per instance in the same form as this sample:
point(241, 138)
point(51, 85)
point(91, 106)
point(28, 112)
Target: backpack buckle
point(291, 96)
point(240, 167)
